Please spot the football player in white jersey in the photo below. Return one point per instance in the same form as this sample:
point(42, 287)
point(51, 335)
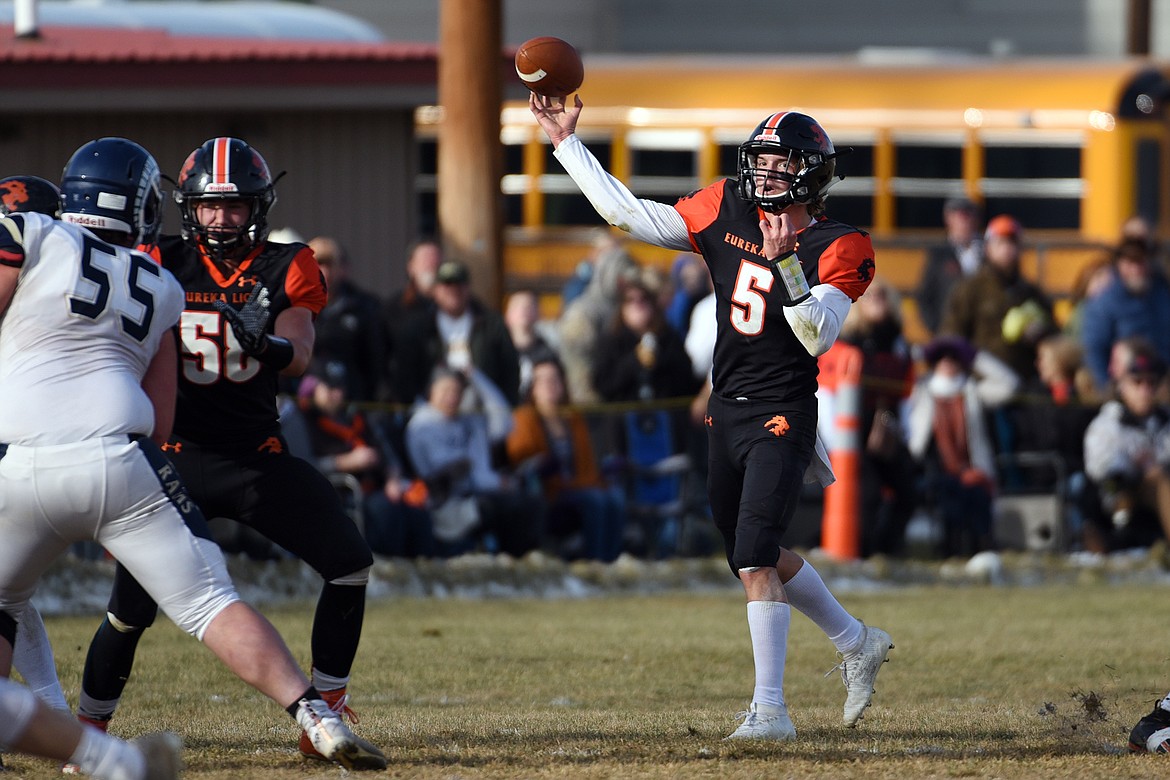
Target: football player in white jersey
point(32, 655)
point(87, 389)
point(30, 726)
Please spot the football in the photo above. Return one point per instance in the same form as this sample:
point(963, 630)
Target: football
point(549, 66)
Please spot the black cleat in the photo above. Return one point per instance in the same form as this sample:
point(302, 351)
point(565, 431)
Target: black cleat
point(1152, 733)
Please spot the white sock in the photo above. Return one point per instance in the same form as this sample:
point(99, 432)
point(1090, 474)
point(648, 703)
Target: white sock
point(768, 623)
point(106, 758)
point(324, 682)
point(807, 594)
point(97, 709)
point(32, 656)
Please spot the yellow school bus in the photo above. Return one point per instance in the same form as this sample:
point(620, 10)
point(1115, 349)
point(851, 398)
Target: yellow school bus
point(1072, 148)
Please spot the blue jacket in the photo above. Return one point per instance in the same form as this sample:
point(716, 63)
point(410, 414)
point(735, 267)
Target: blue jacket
point(1116, 314)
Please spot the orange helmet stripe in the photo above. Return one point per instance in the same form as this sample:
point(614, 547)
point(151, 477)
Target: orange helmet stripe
point(220, 165)
point(771, 123)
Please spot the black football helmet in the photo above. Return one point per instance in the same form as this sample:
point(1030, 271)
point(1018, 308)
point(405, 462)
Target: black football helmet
point(113, 184)
point(19, 194)
point(225, 169)
point(807, 146)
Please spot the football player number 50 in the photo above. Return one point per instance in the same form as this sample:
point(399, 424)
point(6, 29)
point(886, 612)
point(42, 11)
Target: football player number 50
point(205, 361)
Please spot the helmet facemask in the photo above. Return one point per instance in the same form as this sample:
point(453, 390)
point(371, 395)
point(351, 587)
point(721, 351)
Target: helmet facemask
point(222, 241)
point(810, 169)
point(225, 169)
point(801, 174)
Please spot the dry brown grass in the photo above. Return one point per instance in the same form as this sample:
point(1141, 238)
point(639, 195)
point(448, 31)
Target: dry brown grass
point(983, 683)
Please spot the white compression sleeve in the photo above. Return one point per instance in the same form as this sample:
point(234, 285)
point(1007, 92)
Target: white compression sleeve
point(816, 321)
point(646, 220)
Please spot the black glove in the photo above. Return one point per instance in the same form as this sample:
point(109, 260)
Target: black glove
point(250, 326)
point(251, 321)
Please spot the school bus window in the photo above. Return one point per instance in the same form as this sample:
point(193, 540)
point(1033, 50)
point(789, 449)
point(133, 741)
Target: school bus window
point(513, 159)
point(858, 162)
point(662, 162)
point(570, 210)
point(1038, 213)
point(850, 209)
point(513, 210)
point(601, 149)
point(427, 155)
point(428, 210)
point(728, 161)
point(1032, 162)
point(929, 161)
point(1149, 168)
point(915, 211)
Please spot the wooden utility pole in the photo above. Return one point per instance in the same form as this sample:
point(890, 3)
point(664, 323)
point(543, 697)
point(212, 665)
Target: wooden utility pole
point(470, 156)
point(1137, 28)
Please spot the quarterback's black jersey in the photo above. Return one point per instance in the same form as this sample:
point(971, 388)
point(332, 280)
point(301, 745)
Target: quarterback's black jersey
point(227, 397)
point(757, 356)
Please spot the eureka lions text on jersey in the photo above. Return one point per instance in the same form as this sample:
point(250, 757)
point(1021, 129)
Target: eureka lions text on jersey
point(227, 397)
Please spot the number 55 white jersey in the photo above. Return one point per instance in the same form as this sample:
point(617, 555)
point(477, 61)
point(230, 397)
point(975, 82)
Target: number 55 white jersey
point(83, 325)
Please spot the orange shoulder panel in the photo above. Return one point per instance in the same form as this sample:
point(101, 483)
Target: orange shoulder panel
point(304, 284)
point(700, 208)
point(848, 265)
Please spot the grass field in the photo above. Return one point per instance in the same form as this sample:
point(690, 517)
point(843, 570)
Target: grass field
point(984, 683)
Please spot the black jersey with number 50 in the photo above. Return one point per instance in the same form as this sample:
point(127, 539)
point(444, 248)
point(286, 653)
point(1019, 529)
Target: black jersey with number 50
point(757, 355)
point(227, 397)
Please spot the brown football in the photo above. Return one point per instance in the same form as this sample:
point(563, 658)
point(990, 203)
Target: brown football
point(549, 66)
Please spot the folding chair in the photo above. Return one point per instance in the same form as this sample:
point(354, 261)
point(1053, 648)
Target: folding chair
point(657, 475)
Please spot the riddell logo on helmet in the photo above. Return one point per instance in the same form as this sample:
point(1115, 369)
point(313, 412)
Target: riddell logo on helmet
point(221, 187)
point(85, 220)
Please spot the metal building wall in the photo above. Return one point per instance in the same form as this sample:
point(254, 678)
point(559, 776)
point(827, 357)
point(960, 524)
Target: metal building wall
point(350, 173)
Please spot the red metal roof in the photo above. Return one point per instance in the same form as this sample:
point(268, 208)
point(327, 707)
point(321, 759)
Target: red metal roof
point(67, 56)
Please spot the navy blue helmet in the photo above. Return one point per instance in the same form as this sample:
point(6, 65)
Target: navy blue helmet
point(21, 194)
point(113, 184)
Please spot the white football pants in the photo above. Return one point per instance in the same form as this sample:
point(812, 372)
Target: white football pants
point(105, 490)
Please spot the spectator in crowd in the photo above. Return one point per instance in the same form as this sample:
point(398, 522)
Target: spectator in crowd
point(1051, 417)
point(1090, 281)
point(551, 440)
point(1139, 228)
point(460, 332)
point(889, 492)
point(472, 504)
point(533, 338)
point(350, 328)
point(956, 258)
point(603, 242)
point(1127, 458)
point(586, 317)
point(700, 339)
point(996, 309)
point(1135, 303)
point(639, 356)
point(1063, 377)
point(423, 259)
point(700, 346)
point(690, 283)
point(948, 438)
point(345, 441)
